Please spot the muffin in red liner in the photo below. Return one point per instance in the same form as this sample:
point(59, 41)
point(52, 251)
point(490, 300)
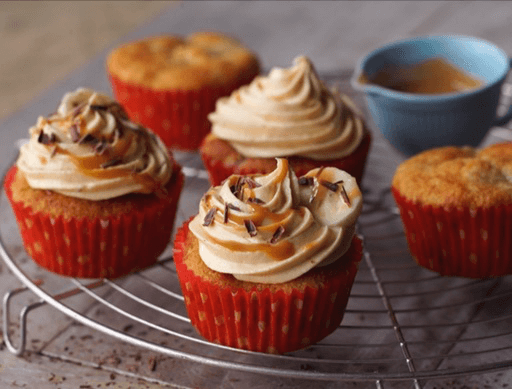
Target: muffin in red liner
point(102, 246)
point(266, 275)
point(456, 208)
point(273, 319)
point(290, 114)
point(221, 160)
point(170, 84)
point(94, 195)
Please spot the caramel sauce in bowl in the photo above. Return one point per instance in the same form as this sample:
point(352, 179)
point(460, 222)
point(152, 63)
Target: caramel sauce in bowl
point(432, 76)
point(433, 91)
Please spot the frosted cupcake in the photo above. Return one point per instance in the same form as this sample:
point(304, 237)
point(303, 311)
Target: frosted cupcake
point(288, 113)
point(268, 263)
point(94, 194)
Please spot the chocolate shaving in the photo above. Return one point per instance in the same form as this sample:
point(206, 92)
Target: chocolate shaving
point(75, 134)
point(46, 139)
point(236, 189)
point(118, 133)
point(329, 185)
point(251, 227)
point(77, 110)
point(277, 234)
point(112, 162)
point(98, 107)
point(255, 200)
point(53, 152)
point(208, 219)
point(306, 181)
point(88, 139)
point(344, 195)
point(226, 213)
point(251, 183)
point(319, 172)
point(233, 207)
point(100, 147)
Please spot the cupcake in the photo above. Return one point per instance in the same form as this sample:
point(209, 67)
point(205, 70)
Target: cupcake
point(456, 206)
point(94, 194)
point(268, 263)
point(170, 83)
point(289, 113)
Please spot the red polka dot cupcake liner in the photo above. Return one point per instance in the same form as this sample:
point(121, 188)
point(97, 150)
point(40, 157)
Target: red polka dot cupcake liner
point(261, 319)
point(179, 117)
point(464, 242)
point(354, 164)
point(96, 248)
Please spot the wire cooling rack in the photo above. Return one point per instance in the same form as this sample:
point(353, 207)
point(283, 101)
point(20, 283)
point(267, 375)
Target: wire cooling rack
point(403, 324)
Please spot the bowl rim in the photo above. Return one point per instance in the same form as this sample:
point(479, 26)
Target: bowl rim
point(422, 98)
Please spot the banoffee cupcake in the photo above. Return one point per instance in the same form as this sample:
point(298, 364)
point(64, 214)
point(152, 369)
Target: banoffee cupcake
point(93, 193)
point(456, 207)
point(288, 113)
point(268, 263)
point(170, 83)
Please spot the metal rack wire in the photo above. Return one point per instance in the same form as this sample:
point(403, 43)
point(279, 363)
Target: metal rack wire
point(402, 323)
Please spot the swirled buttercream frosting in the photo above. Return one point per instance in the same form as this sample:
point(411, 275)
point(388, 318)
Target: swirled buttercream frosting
point(90, 149)
point(290, 112)
point(274, 228)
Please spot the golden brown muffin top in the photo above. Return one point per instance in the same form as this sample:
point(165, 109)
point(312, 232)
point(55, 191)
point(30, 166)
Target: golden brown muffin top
point(458, 176)
point(190, 63)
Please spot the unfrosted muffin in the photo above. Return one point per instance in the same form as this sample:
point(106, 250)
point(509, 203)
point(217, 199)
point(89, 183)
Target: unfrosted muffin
point(456, 207)
point(288, 113)
point(268, 263)
point(94, 194)
point(171, 83)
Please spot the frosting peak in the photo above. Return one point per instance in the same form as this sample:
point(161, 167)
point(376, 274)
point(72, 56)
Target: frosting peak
point(290, 112)
point(90, 149)
point(274, 228)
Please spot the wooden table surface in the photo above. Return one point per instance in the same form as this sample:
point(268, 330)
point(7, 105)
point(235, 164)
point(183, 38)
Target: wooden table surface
point(333, 34)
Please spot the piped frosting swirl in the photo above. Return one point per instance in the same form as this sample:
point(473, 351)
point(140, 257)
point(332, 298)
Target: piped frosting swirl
point(290, 112)
point(274, 228)
point(89, 149)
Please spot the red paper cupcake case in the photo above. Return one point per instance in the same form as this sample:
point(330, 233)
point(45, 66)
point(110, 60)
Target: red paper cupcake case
point(179, 117)
point(473, 243)
point(262, 320)
point(98, 248)
point(354, 164)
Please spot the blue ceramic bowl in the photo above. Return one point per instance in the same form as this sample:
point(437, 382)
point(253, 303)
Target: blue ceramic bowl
point(416, 122)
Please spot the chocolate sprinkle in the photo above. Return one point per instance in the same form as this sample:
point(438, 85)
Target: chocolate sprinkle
point(251, 228)
point(46, 139)
point(345, 195)
point(329, 185)
point(251, 183)
point(100, 147)
point(75, 134)
point(226, 213)
point(88, 139)
point(98, 107)
point(277, 234)
point(319, 172)
point(306, 181)
point(77, 110)
point(235, 189)
point(208, 219)
point(233, 207)
point(255, 200)
point(112, 162)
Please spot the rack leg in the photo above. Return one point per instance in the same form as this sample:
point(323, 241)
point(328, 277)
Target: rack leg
point(23, 321)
